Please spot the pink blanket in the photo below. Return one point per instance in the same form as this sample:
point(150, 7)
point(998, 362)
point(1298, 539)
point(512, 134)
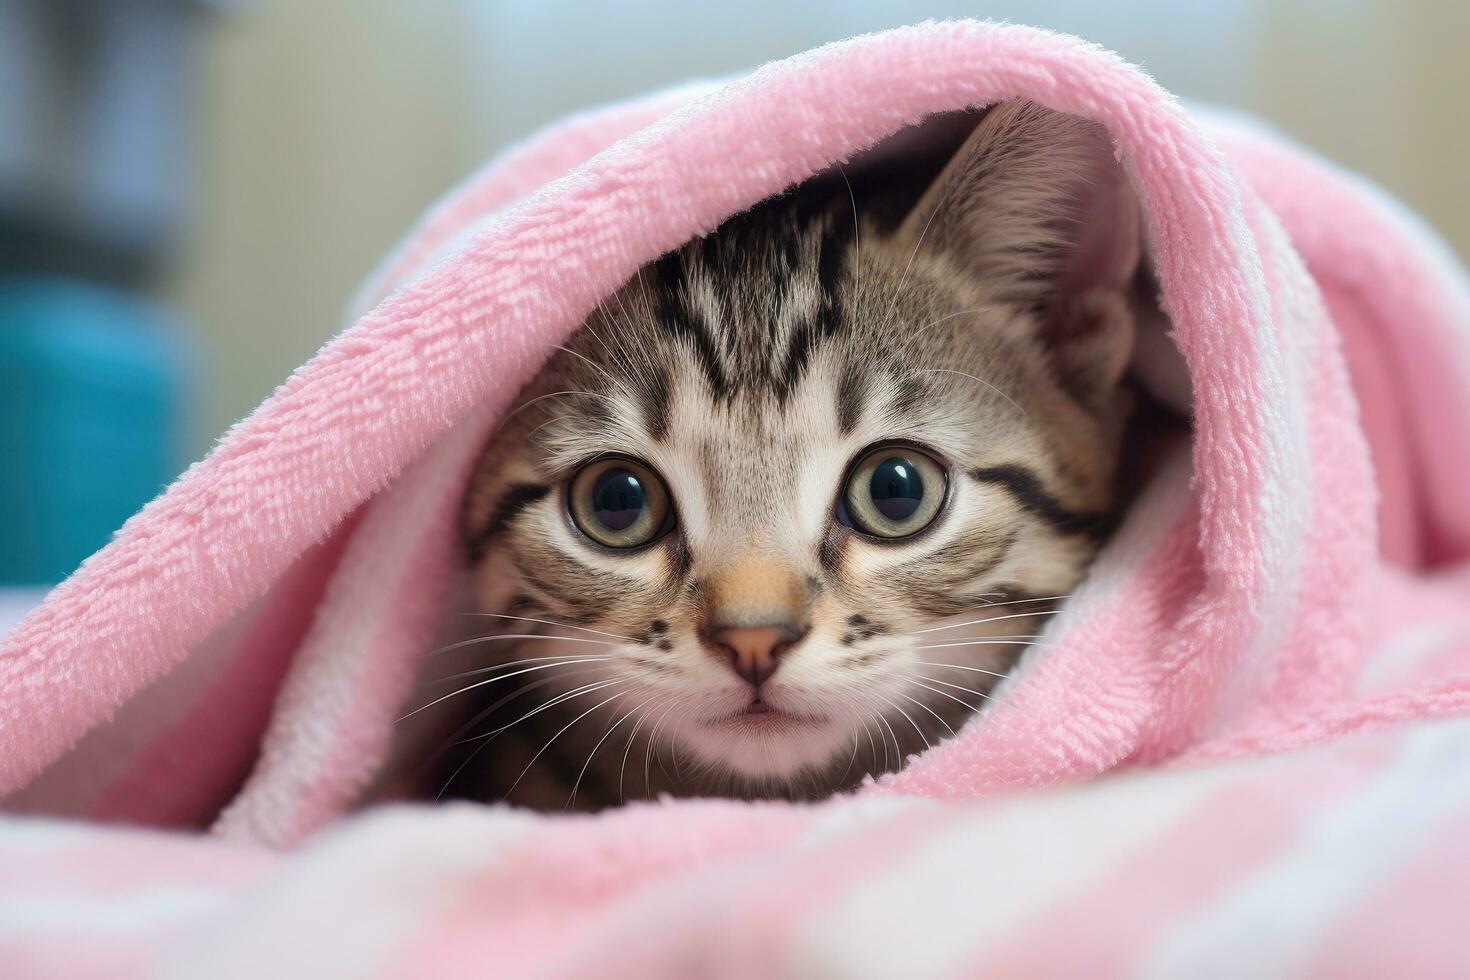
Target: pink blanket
point(235, 657)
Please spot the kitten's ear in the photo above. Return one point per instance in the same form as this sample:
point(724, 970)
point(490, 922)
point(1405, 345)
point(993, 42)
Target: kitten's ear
point(1036, 207)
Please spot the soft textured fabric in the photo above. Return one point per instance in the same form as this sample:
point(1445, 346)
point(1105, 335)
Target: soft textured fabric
point(1347, 860)
point(235, 658)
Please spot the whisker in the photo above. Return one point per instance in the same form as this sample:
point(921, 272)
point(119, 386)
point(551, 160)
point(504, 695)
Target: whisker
point(930, 710)
point(652, 739)
point(934, 323)
point(550, 394)
point(977, 670)
point(454, 740)
point(594, 365)
point(897, 750)
point(1004, 641)
point(490, 737)
point(850, 760)
point(961, 687)
point(565, 626)
point(572, 800)
point(982, 622)
point(558, 735)
point(996, 605)
point(627, 749)
point(491, 680)
point(898, 291)
point(531, 435)
point(853, 706)
point(658, 754)
point(1003, 637)
point(872, 748)
point(911, 721)
point(996, 703)
point(1017, 602)
point(577, 692)
point(884, 731)
point(602, 310)
point(646, 362)
point(935, 690)
point(579, 658)
point(457, 770)
point(489, 711)
point(461, 644)
point(979, 381)
point(1060, 597)
point(857, 235)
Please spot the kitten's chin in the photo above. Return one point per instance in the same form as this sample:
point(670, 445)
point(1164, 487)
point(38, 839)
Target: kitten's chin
point(767, 744)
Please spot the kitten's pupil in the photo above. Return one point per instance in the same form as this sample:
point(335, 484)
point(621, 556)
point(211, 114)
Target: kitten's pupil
point(617, 499)
point(897, 488)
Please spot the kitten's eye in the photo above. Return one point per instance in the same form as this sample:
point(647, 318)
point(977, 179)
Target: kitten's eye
point(619, 503)
point(893, 492)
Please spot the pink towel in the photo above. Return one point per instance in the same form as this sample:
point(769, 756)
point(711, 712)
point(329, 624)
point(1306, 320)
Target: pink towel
point(235, 657)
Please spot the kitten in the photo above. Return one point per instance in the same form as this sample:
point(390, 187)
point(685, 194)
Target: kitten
point(793, 500)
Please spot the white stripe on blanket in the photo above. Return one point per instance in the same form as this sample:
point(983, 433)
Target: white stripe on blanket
point(1267, 926)
point(987, 874)
point(333, 912)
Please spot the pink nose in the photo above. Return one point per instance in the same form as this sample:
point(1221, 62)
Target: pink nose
point(754, 652)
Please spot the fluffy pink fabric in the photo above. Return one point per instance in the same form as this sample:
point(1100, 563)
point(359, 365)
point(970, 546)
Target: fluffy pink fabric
point(1299, 578)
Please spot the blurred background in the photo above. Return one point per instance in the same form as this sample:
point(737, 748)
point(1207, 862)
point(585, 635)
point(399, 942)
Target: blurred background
point(190, 190)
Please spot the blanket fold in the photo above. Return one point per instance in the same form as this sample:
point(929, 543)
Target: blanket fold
point(235, 657)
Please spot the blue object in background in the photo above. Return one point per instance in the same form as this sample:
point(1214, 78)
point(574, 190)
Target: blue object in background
point(92, 408)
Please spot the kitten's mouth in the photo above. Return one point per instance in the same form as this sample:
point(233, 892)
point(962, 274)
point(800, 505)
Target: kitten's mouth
point(761, 716)
point(765, 740)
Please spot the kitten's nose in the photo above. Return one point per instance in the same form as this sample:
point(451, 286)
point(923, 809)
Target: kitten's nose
point(754, 652)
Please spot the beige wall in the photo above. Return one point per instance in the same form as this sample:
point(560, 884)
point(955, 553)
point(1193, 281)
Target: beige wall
point(1380, 87)
point(327, 125)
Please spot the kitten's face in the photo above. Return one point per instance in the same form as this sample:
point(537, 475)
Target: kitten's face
point(782, 480)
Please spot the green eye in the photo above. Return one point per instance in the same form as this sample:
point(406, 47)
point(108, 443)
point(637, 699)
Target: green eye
point(619, 503)
point(893, 492)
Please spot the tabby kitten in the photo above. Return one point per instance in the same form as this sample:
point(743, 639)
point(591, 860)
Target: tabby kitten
point(793, 500)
